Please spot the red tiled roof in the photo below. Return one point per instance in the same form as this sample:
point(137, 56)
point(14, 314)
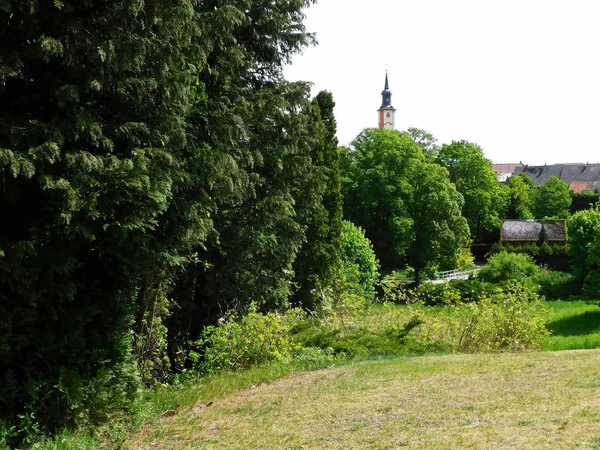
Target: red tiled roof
point(578, 186)
point(504, 168)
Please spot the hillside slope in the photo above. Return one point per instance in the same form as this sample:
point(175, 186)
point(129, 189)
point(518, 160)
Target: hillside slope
point(528, 400)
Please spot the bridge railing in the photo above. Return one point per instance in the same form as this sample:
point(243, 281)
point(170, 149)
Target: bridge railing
point(456, 273)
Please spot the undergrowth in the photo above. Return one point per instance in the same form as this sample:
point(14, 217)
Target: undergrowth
point(244, 351)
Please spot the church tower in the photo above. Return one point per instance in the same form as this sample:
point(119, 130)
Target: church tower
point(387, 112)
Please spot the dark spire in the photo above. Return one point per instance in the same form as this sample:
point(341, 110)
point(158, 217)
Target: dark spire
point(386, 95)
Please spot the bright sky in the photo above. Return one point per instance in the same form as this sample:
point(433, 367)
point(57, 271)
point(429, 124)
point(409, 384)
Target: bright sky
point(521, 78)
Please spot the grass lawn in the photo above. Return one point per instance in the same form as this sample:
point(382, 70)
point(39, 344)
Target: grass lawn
point(525, 400)
point(573, 325)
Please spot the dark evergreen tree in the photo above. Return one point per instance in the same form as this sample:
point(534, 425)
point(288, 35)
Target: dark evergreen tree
point(92, 100)
point(319, 260)
point(258, 133)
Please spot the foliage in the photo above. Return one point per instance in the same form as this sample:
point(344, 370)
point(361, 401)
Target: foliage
point(318, 262)
point(585, 199)
point(150, 344)
point(505, 266)
point(392, 290)
point(426, 141)
point(544, 248)
point(408, 207)
point(375, 176)
point(439, 230)
point(359, 265)
point(253, 339)
point(170, 173)
point(522, 192)
point(581, 226)
point(552, 199)
point(93, 97)
point(465, 259)
point(259, 141)
point(512, 320)
point(556, 285)
point(485, 200)
point(451, 293)
point(431, 294)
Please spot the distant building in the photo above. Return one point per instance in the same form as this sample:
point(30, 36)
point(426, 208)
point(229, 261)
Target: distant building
point(578, 176)
point(504, 171)
point(387, 113)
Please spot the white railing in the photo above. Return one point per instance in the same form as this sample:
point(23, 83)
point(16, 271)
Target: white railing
point(456, 274)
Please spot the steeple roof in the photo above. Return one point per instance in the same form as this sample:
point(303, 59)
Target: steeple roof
point(386, 95)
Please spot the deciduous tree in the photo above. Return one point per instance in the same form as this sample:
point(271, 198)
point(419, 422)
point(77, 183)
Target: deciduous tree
point(521, 192)
point(552, 199)
point(485, 201)
point(409, 208)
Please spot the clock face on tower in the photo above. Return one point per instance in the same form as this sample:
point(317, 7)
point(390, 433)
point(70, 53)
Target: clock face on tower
point(388, 121)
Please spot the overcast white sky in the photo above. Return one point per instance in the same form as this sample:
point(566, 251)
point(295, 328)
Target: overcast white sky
point(519, 77)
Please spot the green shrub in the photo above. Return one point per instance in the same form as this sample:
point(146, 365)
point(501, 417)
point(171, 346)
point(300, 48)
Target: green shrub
point(393, 290)
point(510, 320)
point(450, 293)
point(251, 340)
point(474, 289)
point(556, 285)
point(359, 264)
point(435, 294)
point(504, 266)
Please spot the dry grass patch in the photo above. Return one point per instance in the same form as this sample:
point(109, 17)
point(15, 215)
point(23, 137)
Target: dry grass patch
point(527, 400)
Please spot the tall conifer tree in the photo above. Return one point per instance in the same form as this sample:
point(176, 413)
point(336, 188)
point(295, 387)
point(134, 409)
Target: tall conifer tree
point(92, 100)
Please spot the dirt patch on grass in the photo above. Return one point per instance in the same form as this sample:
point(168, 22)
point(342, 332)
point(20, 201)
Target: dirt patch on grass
point(531, 400)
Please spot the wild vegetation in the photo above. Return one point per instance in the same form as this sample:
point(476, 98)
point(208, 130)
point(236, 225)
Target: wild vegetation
point(179, 223)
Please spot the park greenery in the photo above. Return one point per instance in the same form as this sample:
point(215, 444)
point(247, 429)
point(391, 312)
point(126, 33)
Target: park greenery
point(174, 211)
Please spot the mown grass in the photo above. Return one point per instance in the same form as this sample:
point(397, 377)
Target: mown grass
point(524, 400)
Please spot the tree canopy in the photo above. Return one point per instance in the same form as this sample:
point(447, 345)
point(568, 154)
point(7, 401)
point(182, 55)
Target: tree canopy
point(552, 199)
point(408, 207)
point(485, 200)
point(521, 193)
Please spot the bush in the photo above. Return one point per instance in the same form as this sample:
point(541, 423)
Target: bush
point(252, 340)
point(512, 320)
point(473, 290)
point(556, 285)
point(435, 294)
point(504, 266)
point(359, 264)
point(393, 290)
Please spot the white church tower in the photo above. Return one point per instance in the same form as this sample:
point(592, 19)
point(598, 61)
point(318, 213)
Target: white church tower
point(387, 112)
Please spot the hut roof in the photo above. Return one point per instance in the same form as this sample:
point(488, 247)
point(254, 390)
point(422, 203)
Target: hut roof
point(531, 230)
point(555, 231)
point(521, 230)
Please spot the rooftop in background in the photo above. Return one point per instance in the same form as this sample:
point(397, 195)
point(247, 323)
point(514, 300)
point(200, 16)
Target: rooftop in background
point(533, 230)
point(578, 176)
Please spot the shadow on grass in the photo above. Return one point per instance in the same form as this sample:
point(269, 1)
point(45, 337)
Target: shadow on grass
point(586, 323)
